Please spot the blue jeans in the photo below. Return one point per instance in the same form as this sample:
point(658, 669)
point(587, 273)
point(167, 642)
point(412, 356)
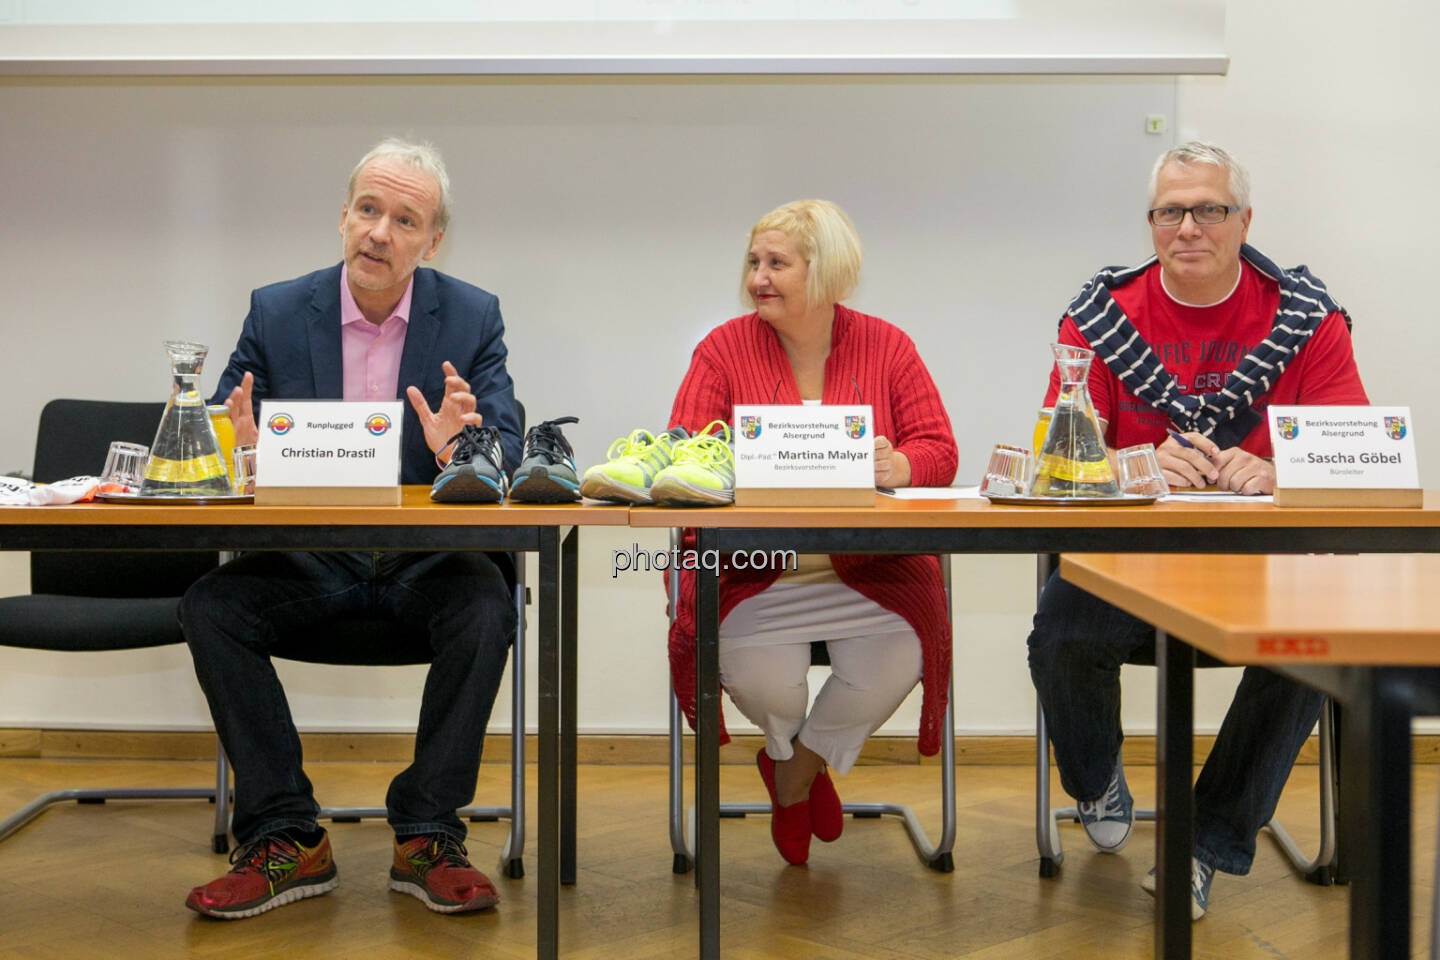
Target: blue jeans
point(1076, 649)
point(236, 614)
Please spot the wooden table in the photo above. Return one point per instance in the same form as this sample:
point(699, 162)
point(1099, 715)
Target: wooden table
point(550, 530)
point(1355, 627)
point(978, 526)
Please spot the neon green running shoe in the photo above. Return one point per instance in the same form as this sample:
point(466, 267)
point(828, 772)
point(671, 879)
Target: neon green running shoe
point(702, 472)
point(632, 464)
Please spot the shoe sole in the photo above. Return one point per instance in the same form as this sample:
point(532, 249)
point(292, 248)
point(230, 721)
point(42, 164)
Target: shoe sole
point(671, 490)
point(597, 486)
point(412, 886)
point(463, 488)
point(301, 891)
point(540, 486)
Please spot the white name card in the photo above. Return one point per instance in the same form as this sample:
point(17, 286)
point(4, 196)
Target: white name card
point(800, 448)
point(328, 452)
point(1340, 456)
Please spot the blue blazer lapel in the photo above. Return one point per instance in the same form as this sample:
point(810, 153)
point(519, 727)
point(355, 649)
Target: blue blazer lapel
point(324, 328)
point(417, 361)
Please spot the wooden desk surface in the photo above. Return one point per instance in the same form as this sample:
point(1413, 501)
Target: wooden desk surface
point(979, 513)
point(416, 509)
point(1370, 609)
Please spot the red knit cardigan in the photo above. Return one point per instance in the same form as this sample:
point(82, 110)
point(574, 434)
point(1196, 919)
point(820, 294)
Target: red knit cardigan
point(873, 362)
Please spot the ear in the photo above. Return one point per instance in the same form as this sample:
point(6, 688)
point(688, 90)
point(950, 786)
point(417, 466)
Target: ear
point(1245, 221)
point(344, 212)
point(434, 245)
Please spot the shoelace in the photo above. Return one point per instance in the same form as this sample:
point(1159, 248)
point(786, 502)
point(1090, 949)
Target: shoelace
point(633, 447)
point(471, 441)
point(274, 856)
point(545, 439)
point(706, 448)
point(1199, 877)
point(1107, 806)
point(442, 851)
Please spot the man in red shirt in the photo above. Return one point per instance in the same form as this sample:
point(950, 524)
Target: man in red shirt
point(1196, 341)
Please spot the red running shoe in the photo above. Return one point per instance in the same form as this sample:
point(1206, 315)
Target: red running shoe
point(436, 871)
point(269, 872)
point(789, 826)
point(827, 817)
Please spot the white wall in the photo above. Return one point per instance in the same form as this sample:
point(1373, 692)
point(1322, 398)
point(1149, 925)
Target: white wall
point(609, 216)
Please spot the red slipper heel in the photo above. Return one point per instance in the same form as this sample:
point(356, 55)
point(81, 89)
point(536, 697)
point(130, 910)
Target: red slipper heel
point(827, 817)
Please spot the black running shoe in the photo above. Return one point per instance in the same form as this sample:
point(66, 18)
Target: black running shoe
point(476, 472)
point(547, 473)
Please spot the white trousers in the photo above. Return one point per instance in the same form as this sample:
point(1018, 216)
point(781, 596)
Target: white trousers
point(869, 677)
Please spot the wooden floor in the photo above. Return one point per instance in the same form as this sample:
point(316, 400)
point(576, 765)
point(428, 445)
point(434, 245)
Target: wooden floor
point(110, 881)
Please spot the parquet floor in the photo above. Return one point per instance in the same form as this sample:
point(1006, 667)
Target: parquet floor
point(92, 882)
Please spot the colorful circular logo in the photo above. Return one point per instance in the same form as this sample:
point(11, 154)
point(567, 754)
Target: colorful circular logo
point(377, 424)
point(280, 423)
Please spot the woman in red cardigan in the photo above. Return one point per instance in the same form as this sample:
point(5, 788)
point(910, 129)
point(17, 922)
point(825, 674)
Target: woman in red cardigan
point(883, 617)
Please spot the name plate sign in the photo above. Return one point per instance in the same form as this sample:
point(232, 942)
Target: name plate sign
point(1344, 456)
point(324, 452)
point(804, 455)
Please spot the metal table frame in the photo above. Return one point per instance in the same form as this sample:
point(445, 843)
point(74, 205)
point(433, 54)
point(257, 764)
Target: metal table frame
point(969, 538)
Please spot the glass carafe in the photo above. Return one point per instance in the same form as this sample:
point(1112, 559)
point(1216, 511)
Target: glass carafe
point(1072, 460)
point(185, 457)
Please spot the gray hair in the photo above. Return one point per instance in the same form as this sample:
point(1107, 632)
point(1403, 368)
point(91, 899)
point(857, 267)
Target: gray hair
point(423, 157)
point(1197, 151)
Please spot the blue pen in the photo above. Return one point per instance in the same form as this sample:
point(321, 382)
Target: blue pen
point(1179, 438)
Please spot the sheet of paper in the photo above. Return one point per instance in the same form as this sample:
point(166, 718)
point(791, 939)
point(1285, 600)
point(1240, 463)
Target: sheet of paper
point(1212, 496)
point(931, 493)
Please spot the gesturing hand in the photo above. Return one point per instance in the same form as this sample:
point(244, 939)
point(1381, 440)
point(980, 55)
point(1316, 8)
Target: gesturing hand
point(242, 411)
point(457, 408)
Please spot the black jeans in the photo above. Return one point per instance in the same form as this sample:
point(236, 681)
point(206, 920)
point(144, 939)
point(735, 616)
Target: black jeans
point(234, 616)
point(1076, 649)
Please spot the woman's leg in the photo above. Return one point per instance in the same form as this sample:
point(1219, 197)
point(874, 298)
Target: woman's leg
point(869, 677)
point(769, 685)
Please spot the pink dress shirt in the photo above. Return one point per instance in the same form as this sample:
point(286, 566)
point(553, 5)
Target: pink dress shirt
point(370, 355)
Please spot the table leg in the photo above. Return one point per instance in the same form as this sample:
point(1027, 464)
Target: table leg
point(1175, 796)
point(707, 746)
point(568, 673)
point(1376, 777)
point(548, 805)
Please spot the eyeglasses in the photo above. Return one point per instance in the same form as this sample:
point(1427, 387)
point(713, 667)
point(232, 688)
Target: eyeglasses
point(1206, 213)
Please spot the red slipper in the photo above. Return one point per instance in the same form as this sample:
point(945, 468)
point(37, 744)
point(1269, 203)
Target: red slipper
point(827, 817)
point(789, 826)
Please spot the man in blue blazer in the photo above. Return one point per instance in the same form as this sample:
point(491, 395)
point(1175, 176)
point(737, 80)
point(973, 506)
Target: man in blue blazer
point(375, 326)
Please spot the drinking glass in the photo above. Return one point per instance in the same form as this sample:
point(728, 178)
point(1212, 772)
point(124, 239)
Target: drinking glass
point(124, 467)
point(1008, 473)
point(1140, 471)
point(244, 468)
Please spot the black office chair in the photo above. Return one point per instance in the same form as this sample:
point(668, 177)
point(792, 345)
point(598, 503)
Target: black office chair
point(1319, 869)
point(363, 641)
point(937, 857)
point(86, 601)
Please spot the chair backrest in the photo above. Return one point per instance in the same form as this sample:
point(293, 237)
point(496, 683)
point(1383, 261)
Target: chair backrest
point(73, 439)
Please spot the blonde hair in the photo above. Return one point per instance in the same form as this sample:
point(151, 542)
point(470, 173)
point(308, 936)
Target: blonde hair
point(826, 239)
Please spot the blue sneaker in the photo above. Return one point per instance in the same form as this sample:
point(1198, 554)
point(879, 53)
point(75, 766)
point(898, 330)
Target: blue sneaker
point(1200, 876)
point(547, 472)
point(1108, 820)
point(476, 471)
